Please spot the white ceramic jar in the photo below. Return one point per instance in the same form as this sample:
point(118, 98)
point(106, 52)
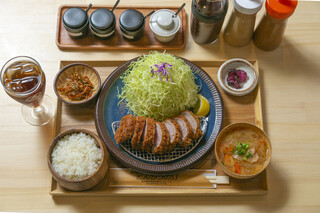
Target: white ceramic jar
point(164, 25)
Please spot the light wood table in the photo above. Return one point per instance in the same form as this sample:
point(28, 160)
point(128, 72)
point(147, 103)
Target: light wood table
point(290, 83)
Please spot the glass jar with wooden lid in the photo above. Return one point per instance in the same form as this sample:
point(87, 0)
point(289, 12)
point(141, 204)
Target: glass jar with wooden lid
point(239, 30)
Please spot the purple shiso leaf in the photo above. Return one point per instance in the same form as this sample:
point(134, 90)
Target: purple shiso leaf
point(236, 77)
point(231, 78)
point(242, 75)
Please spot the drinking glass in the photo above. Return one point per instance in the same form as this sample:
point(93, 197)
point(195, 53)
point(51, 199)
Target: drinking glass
point(24, 80)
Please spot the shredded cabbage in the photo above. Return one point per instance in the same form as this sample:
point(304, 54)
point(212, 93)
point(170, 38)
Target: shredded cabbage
point(150, 97)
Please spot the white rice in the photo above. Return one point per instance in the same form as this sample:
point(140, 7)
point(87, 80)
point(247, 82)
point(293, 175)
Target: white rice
point(76, 156)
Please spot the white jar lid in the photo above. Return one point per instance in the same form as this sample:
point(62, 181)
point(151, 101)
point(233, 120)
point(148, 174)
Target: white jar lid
point(162, 23)
point(248, 7)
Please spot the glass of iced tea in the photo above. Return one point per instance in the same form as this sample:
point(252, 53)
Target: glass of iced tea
point(24, 80)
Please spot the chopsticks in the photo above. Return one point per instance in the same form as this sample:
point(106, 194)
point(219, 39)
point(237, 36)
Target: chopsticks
point(217, 179)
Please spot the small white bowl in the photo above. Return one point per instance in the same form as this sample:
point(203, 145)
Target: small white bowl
point(246, 87)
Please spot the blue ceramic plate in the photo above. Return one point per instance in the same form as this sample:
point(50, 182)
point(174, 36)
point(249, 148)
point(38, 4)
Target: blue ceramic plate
point(107, 111)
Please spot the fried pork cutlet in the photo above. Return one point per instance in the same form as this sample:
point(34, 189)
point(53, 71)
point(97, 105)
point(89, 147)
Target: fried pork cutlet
point(136, 138)
point(174, 133)
point(161, 139)
point(126, 128)
point(194, 122)
point(148, 135)
point(186, 130)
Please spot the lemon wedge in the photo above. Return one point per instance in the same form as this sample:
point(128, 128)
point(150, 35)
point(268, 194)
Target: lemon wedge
point(202, 107)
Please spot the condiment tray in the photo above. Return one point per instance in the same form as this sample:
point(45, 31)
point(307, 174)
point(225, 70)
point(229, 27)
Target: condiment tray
point(236, 109)
point(147, 42)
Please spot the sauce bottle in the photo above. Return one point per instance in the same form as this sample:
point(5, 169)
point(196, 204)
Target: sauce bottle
point(270, 31)
point(206, 19)
point(239, 29)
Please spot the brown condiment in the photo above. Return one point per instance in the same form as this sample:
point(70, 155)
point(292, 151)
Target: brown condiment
point(77, 87)
point(206, 20)
point(25, 82)
point(239, 30)
point(270, 31)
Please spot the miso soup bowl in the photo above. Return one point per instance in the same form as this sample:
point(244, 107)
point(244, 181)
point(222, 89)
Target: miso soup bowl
point(225, 131)
point(89, 181)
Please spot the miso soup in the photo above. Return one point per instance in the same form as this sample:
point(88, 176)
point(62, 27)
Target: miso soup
point(243, 151)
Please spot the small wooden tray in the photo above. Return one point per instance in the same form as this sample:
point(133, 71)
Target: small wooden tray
point(236, 109)
point(147, 42)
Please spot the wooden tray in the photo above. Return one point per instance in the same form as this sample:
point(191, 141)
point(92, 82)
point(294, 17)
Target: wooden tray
point(147, 42)
point(236, 109)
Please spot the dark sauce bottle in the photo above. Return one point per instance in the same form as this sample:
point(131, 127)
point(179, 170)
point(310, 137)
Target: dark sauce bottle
point(206, 19)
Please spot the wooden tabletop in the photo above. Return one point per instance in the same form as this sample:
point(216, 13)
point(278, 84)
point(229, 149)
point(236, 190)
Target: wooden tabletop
point(290, 90)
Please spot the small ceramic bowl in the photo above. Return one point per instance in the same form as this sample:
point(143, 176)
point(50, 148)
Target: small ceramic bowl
point(236, 127)
point(246, 87)
point(89, 181)
point(83, 69)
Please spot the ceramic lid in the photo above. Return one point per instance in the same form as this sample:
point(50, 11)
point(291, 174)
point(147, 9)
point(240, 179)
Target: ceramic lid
point(102, 18)
point(131, 19)
point(248, 7)
point(75, 17)
point(163, 24)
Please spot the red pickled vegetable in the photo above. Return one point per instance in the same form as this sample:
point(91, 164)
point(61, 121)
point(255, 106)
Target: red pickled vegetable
point(242, 75)
point(236, 77)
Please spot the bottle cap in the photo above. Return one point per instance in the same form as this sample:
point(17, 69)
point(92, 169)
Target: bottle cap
point(248, 7)
point(281, 8)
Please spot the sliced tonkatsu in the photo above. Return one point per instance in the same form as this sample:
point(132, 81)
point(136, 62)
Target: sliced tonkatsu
point(126, 128)
point(137, 135)
point(174, 133)
point(186, 130)
point(148, 135)
point(194, 122)
point(158, 137)
point(161, 139)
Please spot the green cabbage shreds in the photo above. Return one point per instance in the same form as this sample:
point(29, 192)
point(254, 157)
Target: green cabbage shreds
point(148, 96)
